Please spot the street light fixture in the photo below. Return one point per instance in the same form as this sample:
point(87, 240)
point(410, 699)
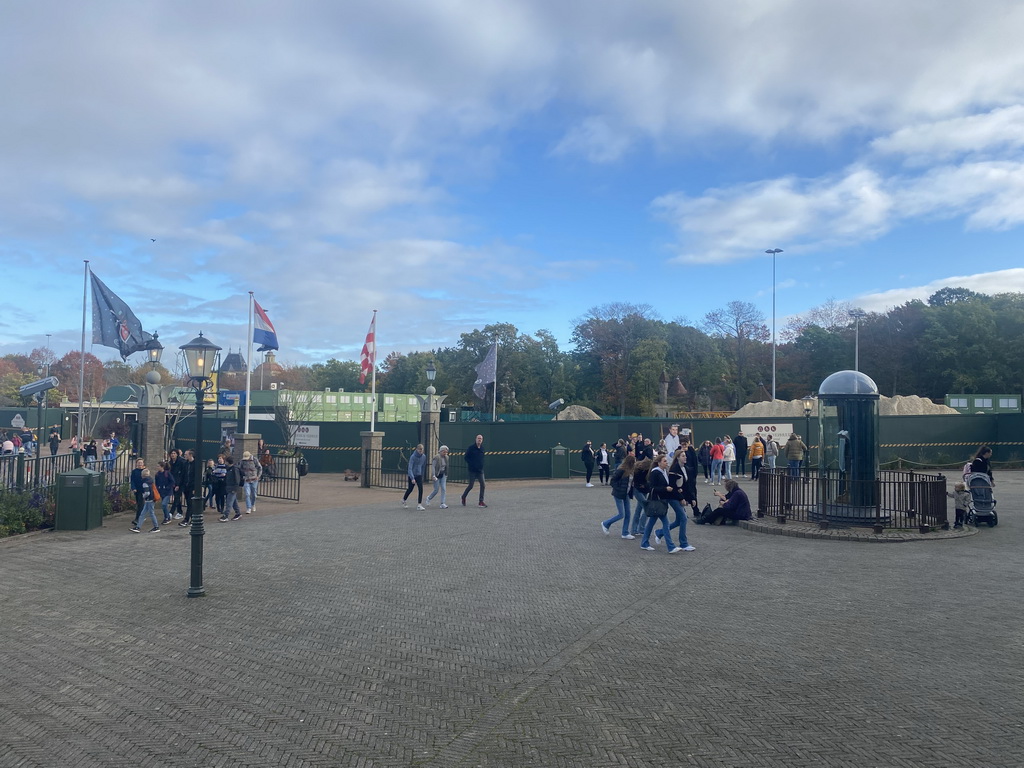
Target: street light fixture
point(201, 361)
point(431, 370)
point(808, 403)
point(774, 252)
point(857, 314)
point(154, 350)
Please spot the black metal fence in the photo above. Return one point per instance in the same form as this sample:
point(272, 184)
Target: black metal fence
point(894, 499)
point(19, 473)
point(389, 468)
point(281, 480)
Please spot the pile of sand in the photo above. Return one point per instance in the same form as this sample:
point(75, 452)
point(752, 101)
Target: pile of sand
point(909, 405)
point(576, 413)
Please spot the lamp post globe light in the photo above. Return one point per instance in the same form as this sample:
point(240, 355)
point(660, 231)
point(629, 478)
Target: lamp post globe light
point(774, 252)
point(200, 360)
point(154, 351)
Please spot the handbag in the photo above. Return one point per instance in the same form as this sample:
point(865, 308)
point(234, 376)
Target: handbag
point(705, 515)
point(656, 507)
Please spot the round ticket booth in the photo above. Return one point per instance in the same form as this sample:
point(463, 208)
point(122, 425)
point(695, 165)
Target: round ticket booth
point(848, 459)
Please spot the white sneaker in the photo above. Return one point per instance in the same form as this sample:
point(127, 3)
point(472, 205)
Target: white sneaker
point(673, 551)
point(420, 507)
point(248, 511)
point(688, 548)
point(649, 549)
point(405, 505)
point(444, 506)
point(253, 507)
point(178, 516)
point(589, 485)
point(657, 539)
point(707, 482)
point(605, 529)
point(629, 536)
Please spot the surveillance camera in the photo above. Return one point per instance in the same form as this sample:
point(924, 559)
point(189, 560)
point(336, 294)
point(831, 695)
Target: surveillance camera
point(38, 386)
point(557, 404)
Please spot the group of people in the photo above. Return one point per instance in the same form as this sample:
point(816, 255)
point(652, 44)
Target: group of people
point(223, 482)
point(25, 441)
point(664, 481)
point(417, 468)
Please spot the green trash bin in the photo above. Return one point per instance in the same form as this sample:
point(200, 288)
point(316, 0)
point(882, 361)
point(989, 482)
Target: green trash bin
point(559, 462)
point(79, 500)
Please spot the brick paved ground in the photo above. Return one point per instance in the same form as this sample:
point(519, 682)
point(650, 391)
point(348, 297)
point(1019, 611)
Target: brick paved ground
point(360, 634)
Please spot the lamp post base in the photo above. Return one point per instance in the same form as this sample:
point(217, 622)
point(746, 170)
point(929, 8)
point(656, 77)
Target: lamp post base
point(197, 532)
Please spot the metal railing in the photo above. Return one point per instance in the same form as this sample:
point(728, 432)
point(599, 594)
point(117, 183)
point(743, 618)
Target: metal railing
point(280, 480)
point(389, 467)
point(894, 499)
point(19, 472)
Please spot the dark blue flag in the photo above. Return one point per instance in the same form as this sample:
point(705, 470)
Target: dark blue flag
point(113, 322)
point(486, 372)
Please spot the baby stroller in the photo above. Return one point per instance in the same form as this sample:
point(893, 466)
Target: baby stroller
point(983, 508)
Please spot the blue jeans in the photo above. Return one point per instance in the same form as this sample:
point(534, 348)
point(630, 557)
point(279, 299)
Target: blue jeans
point(716, 471)
point(231, 502)
point(639, 516)
point(440, 486)
point(623, 506)
point(650, 527)
point(794, 467)
point(250, 493)
point(728, 469)
point(680, 523)
point(147, 509)
point(165, 503)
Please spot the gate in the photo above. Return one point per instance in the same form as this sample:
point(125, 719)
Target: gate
point(280, 480)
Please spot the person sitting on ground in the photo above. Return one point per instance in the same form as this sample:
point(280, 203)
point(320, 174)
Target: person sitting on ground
point(732, 507)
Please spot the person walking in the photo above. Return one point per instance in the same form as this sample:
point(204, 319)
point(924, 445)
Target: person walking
point(620, 452)
point(689, 462)
point(475, 468)
point(587, 456)
point(621, 478)
point(439, 469)
point(218, 483)
point(677, 496)
point(233, 482)
point(795, 449)
point(657, 506)
point(179, 470)
point(417, 466)
point(145, 495)
point(640, 490)
point(164, 482)
point(54, 441)
point(603, 459)
point(135, 483)
point(251, 472)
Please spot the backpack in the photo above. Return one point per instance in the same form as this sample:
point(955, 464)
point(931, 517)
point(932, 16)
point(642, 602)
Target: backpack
point(705, 515)
point(302, 467)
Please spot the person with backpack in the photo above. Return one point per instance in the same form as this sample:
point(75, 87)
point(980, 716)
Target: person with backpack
point(657, 506)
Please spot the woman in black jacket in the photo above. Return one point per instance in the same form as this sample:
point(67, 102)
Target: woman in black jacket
point(621, 478)
point(657, 506)
point(640, 491)
point(981, 462)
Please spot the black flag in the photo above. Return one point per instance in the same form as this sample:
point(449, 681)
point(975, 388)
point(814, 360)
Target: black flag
point(113, 322)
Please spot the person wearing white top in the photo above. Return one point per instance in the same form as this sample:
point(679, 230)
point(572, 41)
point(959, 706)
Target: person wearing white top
point(728, 457)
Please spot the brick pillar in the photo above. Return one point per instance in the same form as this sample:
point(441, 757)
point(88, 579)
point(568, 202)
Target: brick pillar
point(245, 443)
point(153, 420)
point(369, 467)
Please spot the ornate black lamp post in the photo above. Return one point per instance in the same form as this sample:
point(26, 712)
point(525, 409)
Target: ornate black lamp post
point(154, 350)
point(201, 361)
point(808, 403)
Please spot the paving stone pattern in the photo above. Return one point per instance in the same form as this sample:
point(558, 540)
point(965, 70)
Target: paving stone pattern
point(520, 635)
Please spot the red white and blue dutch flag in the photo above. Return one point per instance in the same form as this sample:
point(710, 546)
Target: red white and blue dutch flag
point(263, 330)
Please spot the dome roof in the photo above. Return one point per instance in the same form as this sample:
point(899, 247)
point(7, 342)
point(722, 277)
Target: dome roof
point(847, 383)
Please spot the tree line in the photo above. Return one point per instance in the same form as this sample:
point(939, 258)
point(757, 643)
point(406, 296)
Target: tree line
point(958, 341)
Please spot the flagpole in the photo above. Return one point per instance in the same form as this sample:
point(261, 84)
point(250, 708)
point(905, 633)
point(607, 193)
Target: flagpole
point(373, 376)
point(81, 360)
point(494, 399)
point(248, 367)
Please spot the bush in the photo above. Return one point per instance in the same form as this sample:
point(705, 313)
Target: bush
point(15, 513)
point(117, 499)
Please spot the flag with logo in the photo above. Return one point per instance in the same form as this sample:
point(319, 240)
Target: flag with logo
point(263, 330)
point(368, 357)
point(113, 322)
point(486, 372)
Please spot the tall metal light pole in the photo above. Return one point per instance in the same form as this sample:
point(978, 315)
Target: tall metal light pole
point(857, 314)
point(201, 361)
point(774, 252)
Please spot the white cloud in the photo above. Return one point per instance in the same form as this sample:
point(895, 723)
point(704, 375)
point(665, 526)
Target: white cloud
point(1001, 281)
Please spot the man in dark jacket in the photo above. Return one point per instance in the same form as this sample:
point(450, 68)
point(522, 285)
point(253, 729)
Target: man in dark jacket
point(740, 441)
point(588, 461)
point(475, 468)
point(182, 481)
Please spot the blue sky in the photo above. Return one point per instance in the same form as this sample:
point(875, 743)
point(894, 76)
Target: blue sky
point(456, 163)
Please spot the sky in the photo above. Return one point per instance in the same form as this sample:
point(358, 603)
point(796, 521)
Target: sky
point(455, 163)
